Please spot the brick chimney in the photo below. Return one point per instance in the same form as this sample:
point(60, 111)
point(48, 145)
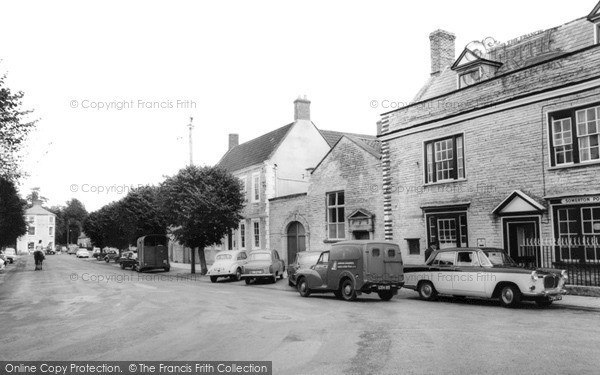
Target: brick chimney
point(301, 109)
point(234, 140)
point(442, 50)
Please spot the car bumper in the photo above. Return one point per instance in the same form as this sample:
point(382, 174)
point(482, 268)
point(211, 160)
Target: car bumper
point(219, 273)
point(553, 294)
point(252, 275)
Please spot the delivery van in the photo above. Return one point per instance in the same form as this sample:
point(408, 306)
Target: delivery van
point(351, 268)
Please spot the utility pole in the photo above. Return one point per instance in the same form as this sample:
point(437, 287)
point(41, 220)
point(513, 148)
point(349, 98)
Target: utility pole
point(191, 126)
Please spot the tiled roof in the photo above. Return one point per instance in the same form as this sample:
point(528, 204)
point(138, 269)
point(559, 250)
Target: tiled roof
point(332, 137)
point(37, 210)
point(253, 152)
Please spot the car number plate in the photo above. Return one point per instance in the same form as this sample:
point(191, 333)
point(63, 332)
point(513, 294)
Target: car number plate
point(255, 272)
point(556, 298)
point(383, 287)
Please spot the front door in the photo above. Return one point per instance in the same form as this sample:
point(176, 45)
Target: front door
point(517, 234)
point(296, 240)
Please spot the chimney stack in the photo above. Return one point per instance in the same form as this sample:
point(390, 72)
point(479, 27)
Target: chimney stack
point(301, 109)
point(234, 140)
point(442, 50)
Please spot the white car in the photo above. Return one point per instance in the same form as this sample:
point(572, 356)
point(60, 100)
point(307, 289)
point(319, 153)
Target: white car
point(228, 263)
point(82, 253)
point(11, 254)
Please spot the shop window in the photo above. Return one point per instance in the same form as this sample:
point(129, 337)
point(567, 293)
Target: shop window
point(444, 159)
point(578, 233)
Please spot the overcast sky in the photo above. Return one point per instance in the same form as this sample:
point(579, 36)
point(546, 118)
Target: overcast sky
point(235, 66)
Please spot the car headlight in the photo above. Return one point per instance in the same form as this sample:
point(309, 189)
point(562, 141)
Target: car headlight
point(564, 274)
point(534, 275)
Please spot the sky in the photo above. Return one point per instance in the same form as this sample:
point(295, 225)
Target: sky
point(114, 83)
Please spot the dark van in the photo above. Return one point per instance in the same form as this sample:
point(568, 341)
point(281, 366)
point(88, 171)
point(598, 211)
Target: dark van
point(152, 253)
point(354, 267)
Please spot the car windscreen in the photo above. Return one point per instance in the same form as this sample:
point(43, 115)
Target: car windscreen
point(260, 256)
point(499, 258)
point(308, 259)
point(223, 257)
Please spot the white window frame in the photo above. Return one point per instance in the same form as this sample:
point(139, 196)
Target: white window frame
point(242, 232)
point(429, 159)
point(51, 219)
point(29, 230)
point(336, 207)
point(31, 219)
point(51, 231)
point(256, 187)
point(255, 224)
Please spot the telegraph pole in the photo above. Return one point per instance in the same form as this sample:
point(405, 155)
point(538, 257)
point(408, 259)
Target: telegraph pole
point(191, 126)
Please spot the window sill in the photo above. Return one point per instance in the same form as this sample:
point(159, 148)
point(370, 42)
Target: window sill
point(444, 182)
point(333, 241)
point(575, 165)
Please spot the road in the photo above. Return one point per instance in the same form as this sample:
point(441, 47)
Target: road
point(79, 309)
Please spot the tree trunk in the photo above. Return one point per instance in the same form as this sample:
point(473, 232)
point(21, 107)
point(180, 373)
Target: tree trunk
point(193, 251)
point(203, 268)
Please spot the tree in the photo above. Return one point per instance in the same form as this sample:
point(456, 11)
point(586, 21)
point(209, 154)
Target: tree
point(12, 214)
point(35, 196)
point(14, 130)
point(74, 215)
point(201, 205)
point(140, 213)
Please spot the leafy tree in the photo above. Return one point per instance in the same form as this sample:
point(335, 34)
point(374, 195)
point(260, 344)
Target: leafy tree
point(104, 228)
point(201, 204)
point(74, 215)
point(12, 211)
point(140, 213)
point(35, 196)
point(14, 130)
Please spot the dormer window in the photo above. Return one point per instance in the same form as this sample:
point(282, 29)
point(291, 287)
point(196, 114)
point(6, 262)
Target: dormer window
point(468, 78)
point(472, 68)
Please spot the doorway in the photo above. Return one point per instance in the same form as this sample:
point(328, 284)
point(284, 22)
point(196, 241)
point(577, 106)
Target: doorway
point(518, 232)
point(296, 240)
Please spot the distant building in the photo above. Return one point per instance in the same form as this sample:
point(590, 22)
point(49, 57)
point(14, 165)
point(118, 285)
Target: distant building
point(84, 241)
point(41, 225)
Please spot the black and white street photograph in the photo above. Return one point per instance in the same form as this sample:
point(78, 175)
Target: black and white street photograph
point(316, 187)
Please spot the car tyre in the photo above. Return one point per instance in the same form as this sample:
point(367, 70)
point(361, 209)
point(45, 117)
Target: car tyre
point(213, 279)
point(543, 302)
point(347, 290)
point(122, 266)
point(303, 288)
point(247, 280)
point(510, 296)
point(238, 275)
point(427, 291)
point(385, 295)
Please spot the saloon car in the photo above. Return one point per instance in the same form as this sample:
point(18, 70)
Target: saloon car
point(228, 263)
point(111, 255)
point(304, 259)
point(263, 264)
point(351, 268)
point(128, 260)
point(82, 253)
point(485, 273)
point(10, 254)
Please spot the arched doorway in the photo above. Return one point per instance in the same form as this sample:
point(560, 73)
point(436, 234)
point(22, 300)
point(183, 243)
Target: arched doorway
point(296, 240)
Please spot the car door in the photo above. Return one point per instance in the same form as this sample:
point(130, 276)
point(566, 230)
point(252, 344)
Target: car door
point(322, 267)
point(468, 277)
point(442, 271)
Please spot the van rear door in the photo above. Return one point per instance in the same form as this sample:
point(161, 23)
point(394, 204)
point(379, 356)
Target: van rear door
point(384, 263)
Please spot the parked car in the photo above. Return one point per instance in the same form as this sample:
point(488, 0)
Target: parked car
point(304, 259)
point(50, 251)
point(72, 249)
point(486, 273)
point(96, 253)
point(82, 253)
point(11, 254)
point(64, 249)
point(228, 263)
point(263, 264)
point(351, 268)
point(111, 255)
point(3, 259)
point(128, 260)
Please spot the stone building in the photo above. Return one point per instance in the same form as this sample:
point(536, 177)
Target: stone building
point(500, 146)
point(41, 225)
point(343, 200)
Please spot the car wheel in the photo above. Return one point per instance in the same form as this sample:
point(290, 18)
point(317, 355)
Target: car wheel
point(347, 290)
point(213, 279)
point(427, 291)
point(510, 296)
point(107, 260)
point(303, 288)
point(290, 283)
point(238, 275)
point(247, 280)
point(122, 266)
point(385, 295)
point(543, 302)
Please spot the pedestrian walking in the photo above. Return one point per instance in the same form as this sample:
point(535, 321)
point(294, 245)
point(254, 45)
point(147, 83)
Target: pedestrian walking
point(38, 256)
point(432, 247)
